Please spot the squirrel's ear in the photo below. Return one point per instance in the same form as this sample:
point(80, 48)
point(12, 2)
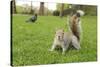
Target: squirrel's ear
point(63, 30)
point(55, 32)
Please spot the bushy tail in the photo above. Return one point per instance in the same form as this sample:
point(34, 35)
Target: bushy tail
point(80, 13)
point(75, 24)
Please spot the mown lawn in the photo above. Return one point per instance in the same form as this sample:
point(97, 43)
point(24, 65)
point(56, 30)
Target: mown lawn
point(31, 41)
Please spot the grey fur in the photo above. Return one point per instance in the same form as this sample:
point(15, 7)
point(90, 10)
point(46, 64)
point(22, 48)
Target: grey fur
point(68, 38)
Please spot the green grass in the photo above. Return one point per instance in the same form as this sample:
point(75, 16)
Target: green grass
point(32, 41)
